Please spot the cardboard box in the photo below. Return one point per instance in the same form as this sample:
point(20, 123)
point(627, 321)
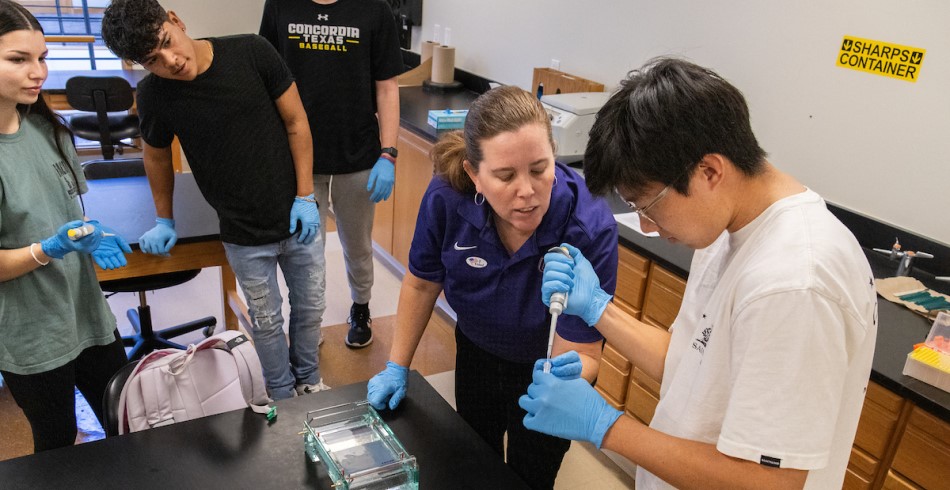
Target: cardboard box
point(448, 119)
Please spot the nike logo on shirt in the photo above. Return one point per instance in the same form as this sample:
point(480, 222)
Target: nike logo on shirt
point(458, 247)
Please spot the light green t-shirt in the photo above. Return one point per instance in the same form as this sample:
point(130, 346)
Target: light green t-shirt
point(47, 316)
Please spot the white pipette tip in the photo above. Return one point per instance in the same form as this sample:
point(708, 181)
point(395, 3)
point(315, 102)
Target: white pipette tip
point(547, 366)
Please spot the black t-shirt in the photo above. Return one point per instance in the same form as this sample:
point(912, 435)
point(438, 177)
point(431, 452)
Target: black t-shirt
point(337, 52)
point(232, 134)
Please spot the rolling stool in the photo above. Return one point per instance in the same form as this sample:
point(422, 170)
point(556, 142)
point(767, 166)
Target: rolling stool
point(146, 339)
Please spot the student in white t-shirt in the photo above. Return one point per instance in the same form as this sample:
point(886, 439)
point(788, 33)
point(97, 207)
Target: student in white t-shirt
point(765, 369)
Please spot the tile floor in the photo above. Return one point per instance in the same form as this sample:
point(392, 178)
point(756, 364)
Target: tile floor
point(584, 466)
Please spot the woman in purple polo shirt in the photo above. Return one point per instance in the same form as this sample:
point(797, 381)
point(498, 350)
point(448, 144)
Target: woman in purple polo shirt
point(498, 202)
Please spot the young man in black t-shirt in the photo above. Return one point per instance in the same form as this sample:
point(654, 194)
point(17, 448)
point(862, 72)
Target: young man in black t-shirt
point(234, 106)
point(345, 56)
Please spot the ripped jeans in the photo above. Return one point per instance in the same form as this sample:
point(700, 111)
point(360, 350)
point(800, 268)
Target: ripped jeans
point(304, 270)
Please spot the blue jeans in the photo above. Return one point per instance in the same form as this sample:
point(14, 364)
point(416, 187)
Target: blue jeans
point(304, 269)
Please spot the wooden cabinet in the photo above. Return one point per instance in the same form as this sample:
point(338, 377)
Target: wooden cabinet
point(643, 394)
point(648, 292)
point(413, 173)
point(612, 377)
point(923, 454)
point(876, 428)
point(893, 481)
point(663, 297)
point(898, 445)
point(395, 220)
point(632, 271)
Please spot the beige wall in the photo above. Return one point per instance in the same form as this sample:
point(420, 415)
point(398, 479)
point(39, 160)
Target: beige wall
point(873, 144)
point(217, 17)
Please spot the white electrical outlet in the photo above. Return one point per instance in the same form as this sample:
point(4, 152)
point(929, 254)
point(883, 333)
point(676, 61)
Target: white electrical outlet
point(555, 64)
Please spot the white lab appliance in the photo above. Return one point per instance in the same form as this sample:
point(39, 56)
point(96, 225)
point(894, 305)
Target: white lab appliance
point(572, 116)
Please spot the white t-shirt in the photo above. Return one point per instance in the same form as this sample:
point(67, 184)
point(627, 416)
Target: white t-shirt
point(771, 351)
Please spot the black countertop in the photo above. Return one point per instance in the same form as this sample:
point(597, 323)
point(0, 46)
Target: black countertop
point(240, 449)
point(415, 104)
point(898, 328)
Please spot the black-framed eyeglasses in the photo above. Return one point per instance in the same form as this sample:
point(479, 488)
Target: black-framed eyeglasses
point(643, 211)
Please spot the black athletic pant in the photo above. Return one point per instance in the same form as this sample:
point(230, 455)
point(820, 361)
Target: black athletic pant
point(48, 399)
point(487, 389)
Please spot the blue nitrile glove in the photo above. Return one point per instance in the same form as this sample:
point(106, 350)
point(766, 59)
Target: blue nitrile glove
point(111, 251)
point(575, 276)
point(58, 245)
point(381, 180)
point(565, 366)
point(567, 409)
point(160, 239)
point(305, 211)
point(389, 385)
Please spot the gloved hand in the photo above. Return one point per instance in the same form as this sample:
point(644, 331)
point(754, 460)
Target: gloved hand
point(565, 366)
point(389, 384)
point(381, 180)
point(576, 277)
point(305, 211)
point(111, 251)
point(160, 239)
point(58, 245)
point(568, 409)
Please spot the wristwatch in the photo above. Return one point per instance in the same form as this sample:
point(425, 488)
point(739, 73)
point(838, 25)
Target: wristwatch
point(391, 151)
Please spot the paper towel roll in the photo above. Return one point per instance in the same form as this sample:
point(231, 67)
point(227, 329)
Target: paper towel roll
point(427, 48)
point(443, 64)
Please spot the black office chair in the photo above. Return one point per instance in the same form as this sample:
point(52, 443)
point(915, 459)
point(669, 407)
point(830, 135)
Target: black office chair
point(146, 339)
point(102, 95)
point(110, 399)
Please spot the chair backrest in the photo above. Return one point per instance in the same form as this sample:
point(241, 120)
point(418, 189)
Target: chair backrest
point(95, 94)
point(101, 95)
point(110, 399)
point(113, 169)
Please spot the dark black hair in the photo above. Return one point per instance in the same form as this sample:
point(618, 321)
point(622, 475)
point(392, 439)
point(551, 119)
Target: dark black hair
point(15, 17)
point(663, 120)
point(130, 28)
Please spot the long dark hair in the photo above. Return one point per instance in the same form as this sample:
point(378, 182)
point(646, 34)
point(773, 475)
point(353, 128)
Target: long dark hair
point(14, 17)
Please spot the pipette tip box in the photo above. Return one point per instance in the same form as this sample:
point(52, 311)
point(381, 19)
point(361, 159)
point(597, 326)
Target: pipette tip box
point(930, 361)
point(448, 119)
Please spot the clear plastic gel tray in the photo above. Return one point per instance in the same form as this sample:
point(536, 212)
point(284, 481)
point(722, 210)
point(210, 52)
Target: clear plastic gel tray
point(358, 449)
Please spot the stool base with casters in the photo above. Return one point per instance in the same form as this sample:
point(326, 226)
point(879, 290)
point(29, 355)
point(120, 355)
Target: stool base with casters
point(146, 339)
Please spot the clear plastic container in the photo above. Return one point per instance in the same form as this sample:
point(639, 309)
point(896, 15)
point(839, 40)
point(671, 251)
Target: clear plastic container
point(939, 337)
point(358, 449)
point(930, 361)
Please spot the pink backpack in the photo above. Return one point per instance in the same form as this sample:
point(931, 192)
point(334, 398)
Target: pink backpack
point(220, 374)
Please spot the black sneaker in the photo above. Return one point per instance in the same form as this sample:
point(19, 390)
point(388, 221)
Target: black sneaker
point(360, 335)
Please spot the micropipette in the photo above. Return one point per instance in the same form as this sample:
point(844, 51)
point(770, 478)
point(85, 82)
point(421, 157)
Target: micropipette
point(80, 231)
point(558, 302)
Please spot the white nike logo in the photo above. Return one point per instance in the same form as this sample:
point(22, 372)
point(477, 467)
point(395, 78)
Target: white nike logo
point(457, 247)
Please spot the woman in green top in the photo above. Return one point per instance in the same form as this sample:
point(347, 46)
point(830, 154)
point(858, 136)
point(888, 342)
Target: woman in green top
point(56, 330)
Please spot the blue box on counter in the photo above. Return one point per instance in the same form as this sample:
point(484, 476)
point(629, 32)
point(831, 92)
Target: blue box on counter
point(448, 119)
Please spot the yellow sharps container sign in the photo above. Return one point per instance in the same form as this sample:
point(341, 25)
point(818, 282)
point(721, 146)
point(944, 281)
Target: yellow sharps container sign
point(881, 58)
